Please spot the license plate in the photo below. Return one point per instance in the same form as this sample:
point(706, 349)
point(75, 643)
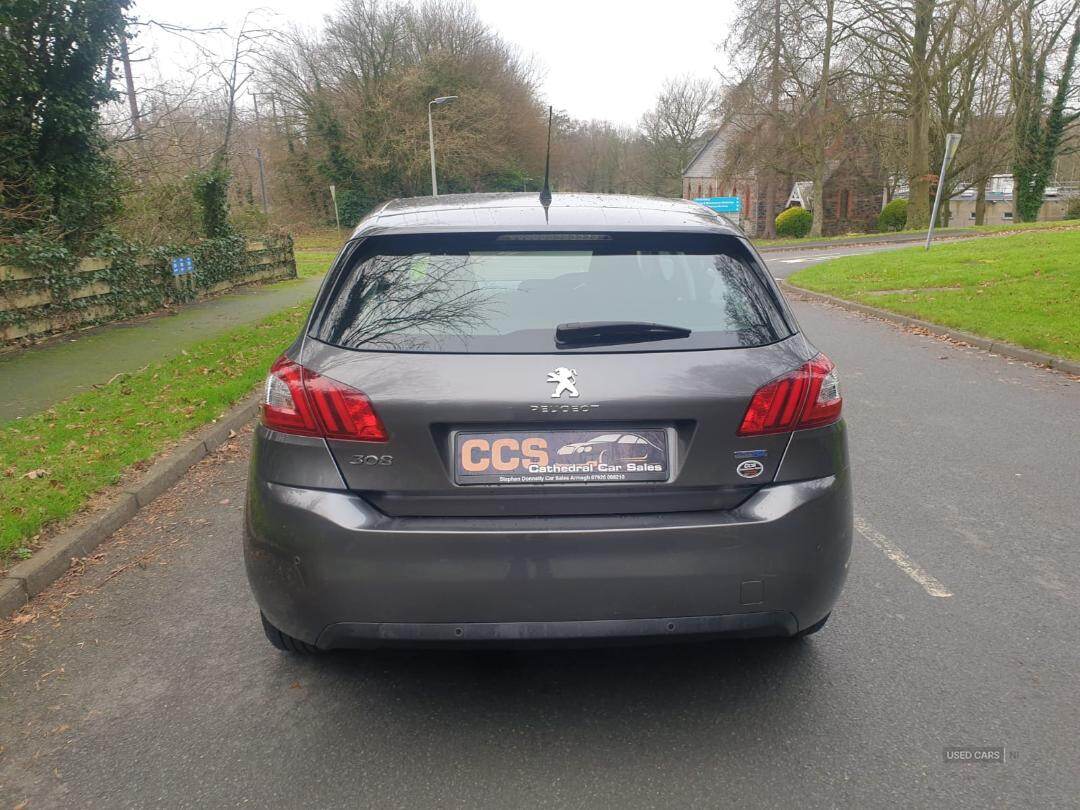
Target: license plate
point(560, 456)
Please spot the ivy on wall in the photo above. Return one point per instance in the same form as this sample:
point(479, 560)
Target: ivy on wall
point(124, 279)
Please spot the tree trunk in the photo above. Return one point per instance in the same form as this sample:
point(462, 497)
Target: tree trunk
point(980, 202)
point(918, 215)
point(771, 179)
point(129, 84)
point(768, 196)
point(818, 194)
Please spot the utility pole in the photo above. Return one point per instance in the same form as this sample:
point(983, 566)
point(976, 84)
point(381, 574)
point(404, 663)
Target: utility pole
point(262, 181)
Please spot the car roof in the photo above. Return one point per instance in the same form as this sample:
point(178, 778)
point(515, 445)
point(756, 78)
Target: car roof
point(463, 213)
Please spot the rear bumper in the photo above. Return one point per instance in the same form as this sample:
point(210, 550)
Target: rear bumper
point(524, 634)
point(331, 570)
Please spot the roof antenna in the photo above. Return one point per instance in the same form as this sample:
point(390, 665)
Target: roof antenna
point(545, 192)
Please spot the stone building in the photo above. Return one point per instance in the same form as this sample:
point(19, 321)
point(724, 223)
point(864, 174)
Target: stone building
point(999, 203)
point(704, 176)
point(853, 196)
point(853, 193)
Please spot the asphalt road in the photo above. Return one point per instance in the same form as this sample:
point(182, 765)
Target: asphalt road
point(143, 678)
point(785, 262)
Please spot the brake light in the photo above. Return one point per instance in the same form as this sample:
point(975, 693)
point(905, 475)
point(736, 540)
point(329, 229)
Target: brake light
point(807, 397)
point(286, 407)
point(302, 402)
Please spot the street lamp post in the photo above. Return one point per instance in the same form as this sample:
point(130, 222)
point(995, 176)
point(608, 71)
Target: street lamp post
point(431, 140)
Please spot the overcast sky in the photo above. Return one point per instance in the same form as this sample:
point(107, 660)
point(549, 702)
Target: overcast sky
point(600, 58)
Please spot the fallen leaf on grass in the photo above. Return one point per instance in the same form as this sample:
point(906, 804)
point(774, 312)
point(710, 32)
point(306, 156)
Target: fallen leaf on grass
point(34, 475)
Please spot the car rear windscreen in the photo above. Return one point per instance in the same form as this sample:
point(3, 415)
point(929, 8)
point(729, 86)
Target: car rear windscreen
point(510, 293)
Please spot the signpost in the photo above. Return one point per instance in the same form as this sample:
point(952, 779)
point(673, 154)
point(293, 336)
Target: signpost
point(721, 205)
point(952, 143)
point(337, 217)
point(182, 266)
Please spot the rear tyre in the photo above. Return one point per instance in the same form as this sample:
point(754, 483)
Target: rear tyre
point(283, 641)
point(809, 631)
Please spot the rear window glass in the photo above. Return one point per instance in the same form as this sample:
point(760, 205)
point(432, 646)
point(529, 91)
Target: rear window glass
point(509, 293)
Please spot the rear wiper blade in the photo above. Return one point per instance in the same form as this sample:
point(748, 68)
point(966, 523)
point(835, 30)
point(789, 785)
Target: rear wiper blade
point(610, 332)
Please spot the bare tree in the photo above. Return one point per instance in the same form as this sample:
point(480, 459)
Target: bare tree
point(909, 46)
point(683, 113)
point(828, 33)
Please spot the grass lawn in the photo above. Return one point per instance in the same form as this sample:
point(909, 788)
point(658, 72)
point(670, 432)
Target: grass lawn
point(975, 229)
point(1024, 289)
point(53, 463)
point(315, 251)
point(326, 239)
point(313, 262)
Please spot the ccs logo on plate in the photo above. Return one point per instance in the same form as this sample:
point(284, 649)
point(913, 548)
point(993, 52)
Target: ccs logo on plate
point(750, 468)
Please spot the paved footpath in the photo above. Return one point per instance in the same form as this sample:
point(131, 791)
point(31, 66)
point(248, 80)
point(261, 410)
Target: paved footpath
point(37, 378)
point(144, 680)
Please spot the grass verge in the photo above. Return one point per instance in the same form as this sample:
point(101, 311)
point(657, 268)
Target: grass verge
point(1024, 289)
point(1018, 227)
point(52, 464)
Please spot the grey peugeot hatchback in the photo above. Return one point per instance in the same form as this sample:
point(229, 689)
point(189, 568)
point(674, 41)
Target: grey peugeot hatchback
point(508, 422)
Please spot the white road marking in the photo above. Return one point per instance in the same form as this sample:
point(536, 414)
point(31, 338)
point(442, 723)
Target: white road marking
point(929, 584)
point(808, 259)
point(802, 259)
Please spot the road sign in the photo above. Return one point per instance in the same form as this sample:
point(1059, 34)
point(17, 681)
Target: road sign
point(182, 265)
point(721, 205)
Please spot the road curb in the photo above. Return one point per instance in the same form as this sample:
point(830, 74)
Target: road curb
point(30, 577)
point(1010, 350)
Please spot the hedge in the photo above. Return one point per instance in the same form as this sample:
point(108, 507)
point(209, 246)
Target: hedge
point(893, 217)
point(794, 223)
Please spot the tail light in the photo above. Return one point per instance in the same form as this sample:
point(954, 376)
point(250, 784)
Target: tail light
point(303, 402)
point(807, 397)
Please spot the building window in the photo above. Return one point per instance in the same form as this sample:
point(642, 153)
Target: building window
point(1006, 214)
point(843, 204)
point(699, 189)
point(971, 215)
point(710, 189)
